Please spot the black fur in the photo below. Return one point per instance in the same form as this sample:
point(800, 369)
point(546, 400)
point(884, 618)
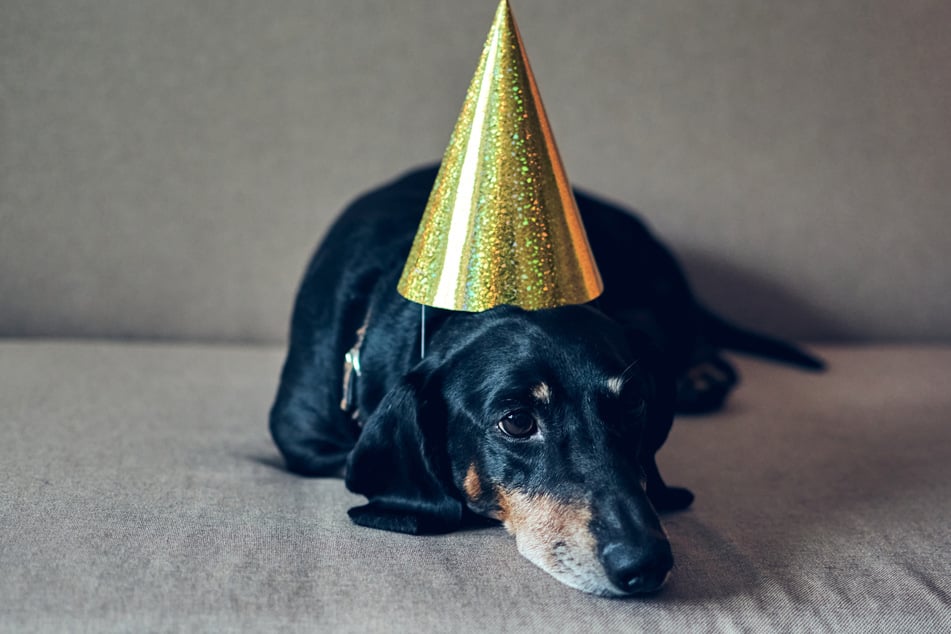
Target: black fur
point(419, 426)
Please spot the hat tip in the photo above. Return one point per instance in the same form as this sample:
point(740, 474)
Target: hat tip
point(501, 225)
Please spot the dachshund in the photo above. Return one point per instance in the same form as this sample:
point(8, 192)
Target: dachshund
point(545, 421)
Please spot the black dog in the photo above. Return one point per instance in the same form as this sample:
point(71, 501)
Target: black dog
point(547, 421)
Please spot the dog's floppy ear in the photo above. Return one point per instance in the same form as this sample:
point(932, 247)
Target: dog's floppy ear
point(401, 464)
point(659, 388)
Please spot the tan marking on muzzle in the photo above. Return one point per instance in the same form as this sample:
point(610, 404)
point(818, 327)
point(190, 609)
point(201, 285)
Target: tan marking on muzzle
point(545, 524)
point(556, 536)
point(542, 514)
point(471, 485)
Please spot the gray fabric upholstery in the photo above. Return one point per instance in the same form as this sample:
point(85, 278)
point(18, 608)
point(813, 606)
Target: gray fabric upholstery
point(139, 491)
point(166, 167)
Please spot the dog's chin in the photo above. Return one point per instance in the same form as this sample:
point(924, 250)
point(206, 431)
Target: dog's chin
point(576, 568)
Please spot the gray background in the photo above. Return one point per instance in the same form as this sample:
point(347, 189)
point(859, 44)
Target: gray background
point(166, 167)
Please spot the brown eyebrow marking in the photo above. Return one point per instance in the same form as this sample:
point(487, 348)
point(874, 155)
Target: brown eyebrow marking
point(471, 484)
point(616, 384)
point(542, 392)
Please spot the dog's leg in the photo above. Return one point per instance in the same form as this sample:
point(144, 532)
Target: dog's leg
point(307, 424)
point(313, 438)
point(664, 498)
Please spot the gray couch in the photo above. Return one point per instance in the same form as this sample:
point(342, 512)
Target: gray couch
point(165, 169)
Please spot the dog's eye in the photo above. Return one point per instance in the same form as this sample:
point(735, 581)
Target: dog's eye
point(518, 424)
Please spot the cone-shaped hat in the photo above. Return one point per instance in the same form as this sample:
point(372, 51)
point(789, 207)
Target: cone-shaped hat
point(501, 225)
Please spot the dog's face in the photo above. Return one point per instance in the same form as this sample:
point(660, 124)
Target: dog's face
point(535, 419)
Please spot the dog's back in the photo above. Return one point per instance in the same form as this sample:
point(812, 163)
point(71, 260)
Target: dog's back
point(354, 274)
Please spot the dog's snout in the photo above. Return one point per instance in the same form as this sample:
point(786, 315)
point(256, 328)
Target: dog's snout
point(638, 569)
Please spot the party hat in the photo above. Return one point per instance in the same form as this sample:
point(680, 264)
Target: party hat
point(501, 225)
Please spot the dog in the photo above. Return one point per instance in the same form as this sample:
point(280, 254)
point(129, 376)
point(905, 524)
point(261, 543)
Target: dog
point(545, 421)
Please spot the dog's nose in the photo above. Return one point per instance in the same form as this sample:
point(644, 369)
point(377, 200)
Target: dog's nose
point(638, 569)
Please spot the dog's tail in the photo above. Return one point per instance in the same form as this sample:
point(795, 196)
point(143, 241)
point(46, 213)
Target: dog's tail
point(726, 335)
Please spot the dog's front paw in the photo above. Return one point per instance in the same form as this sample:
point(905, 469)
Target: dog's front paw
point(666, 499)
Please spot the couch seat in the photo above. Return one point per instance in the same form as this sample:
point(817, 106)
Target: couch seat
point(140, 491)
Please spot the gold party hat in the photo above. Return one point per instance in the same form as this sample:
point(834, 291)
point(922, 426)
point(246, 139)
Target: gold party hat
point(501, 225)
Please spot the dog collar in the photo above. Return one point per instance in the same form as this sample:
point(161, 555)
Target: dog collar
point(352, 370)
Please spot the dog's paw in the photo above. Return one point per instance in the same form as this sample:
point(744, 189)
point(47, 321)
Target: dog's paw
point(704, 387)
point(669, 499)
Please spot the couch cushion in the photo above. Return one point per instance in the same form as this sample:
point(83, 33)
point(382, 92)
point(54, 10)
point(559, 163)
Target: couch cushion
point(139, 491)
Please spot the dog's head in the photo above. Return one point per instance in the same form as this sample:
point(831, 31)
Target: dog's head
point(541, 420)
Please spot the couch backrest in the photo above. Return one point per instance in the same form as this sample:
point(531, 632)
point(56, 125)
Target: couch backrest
point(167, 167)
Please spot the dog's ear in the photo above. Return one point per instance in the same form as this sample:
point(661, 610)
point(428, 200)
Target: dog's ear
point(401, 464)
point(659, 388)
